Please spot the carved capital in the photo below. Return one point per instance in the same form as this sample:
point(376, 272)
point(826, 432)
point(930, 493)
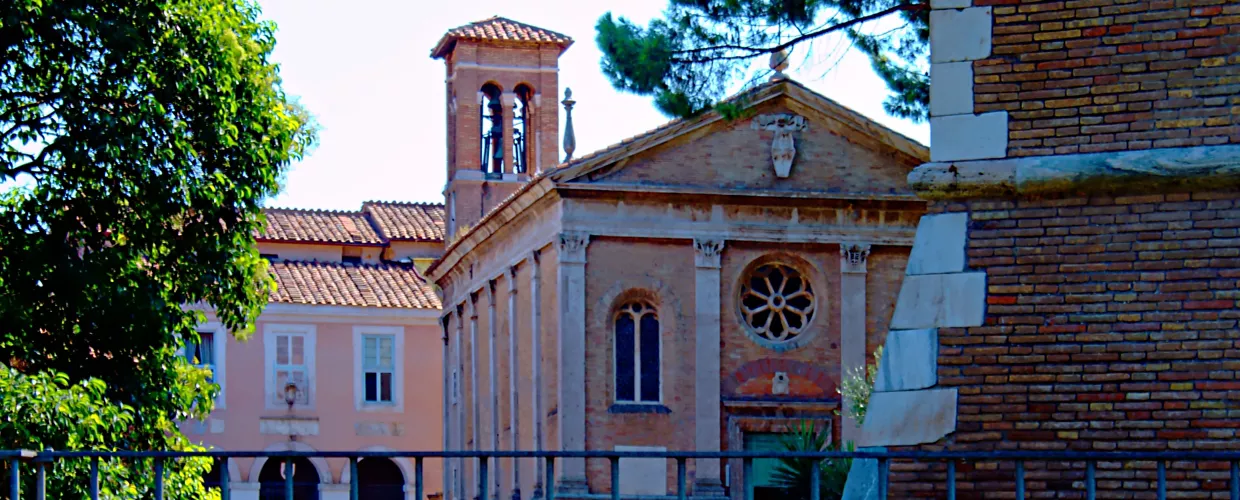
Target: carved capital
point(853, 257)
point(572, 247)
point(512, 280)
point(706, 252)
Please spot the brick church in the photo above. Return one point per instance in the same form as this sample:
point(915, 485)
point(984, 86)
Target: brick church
point(703, 285)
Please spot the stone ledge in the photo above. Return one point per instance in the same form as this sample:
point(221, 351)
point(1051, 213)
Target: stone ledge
point(638, 408)
point(1152, 170)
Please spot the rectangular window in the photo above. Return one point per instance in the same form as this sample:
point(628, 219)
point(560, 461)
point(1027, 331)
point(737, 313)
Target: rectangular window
point(202, 353)
point(291, 366)
point(378, 367)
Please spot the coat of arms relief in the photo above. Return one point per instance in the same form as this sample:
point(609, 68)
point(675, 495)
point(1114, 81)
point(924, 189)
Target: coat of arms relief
point(783, 147)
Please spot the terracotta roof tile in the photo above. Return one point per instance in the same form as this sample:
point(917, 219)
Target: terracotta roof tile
point(324, 283)
point(407, 221)
point(499, 29)
point(318, 226)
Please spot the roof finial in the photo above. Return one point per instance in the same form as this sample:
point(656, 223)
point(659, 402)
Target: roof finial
point(570, 141)
point(779, 63)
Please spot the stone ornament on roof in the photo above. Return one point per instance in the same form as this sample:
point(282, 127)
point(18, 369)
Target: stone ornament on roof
point(783, 147)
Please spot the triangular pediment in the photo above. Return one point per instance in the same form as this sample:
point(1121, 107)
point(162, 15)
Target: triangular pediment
point(789, 139)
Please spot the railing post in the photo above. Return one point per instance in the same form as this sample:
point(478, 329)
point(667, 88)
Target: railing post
point(951, 480)
point(482, 478)
point(746, 477)
point(1162, 480)
point(1020, 480)
point(814, 480)
point(225, 481)
point(15, 479)
point(94, 479)
point(882, 478)
point(159, 479)
point(353, 479)
point(1091, 482)
point(288, 478)
point(40, 478)
point(615, 477)
point(681, 480)
point(417, 478)
point(549, 488)
point(1235, 480)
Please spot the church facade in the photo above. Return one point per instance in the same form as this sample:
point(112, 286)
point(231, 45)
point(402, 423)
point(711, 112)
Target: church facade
point(705, 285)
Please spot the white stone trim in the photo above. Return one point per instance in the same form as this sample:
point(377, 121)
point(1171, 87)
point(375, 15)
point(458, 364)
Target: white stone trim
point(969, 137)
point(854, 258)
point(960, 35)
point(398, 359)
point(951, 88)
point(270, 331)
point(909, 418)
point(641, 475)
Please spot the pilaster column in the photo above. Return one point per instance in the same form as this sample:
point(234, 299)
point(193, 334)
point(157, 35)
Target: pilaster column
point(536, 392)
point(853, 258)
point(706, 385)
point(493, 363)
point(572, 358)
point(471, 310)
point(514, 399)
point(447, 405)
point(459, 399)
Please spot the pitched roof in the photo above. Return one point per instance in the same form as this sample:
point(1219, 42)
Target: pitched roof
point(407, 221)
point(318, 226)
point(327, 283)
point(499, 29)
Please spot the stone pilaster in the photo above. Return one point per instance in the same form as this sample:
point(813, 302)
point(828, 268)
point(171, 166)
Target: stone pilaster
point(447, 403)
point(853, 257)
point(493, 365)
point(536, 392)
point(474, 410)
point(458, 391)
point(572, 357)
point(514, 399)
point(707, 253)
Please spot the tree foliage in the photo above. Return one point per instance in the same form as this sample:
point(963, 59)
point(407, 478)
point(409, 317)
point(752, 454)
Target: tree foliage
point(691, 56)
point(794, 475)
point(137, 141)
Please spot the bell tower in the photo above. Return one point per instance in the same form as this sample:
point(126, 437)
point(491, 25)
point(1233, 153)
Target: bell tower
point(503, 120)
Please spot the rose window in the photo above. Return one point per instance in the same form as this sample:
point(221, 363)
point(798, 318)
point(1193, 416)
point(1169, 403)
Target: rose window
point(777, 302)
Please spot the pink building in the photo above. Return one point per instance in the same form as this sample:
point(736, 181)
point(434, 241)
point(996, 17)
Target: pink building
point(351, 338)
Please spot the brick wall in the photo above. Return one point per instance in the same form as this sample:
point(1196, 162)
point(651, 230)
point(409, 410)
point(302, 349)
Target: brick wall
point(1084, 76)
point(1111, 325)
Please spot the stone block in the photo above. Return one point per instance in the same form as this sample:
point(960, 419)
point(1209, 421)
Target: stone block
point(969, 137)
point(941, 300)
point(950, 4)
point(960, 35)
point(289, 426)
point(951, 88)
point(910, 361)
point(862, 482)
point(939, 244)
point(909, 418)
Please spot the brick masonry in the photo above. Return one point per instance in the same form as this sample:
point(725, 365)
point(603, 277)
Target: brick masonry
point(1111, 325)
point(1084, 76)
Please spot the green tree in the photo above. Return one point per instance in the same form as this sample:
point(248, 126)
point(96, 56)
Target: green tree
point(137, 141)
point(688, 59)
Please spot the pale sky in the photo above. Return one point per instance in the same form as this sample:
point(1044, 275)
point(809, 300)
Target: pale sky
point(363, 68)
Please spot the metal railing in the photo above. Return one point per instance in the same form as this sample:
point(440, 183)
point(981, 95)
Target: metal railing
point(40, 461)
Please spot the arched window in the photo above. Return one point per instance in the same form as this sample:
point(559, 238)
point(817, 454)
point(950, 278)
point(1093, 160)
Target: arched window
point(520, 129)
point(637, 354)
point(305, 480)
point(492, 130)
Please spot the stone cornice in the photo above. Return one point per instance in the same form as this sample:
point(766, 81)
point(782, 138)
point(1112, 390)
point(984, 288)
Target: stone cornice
point(1152, 170)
